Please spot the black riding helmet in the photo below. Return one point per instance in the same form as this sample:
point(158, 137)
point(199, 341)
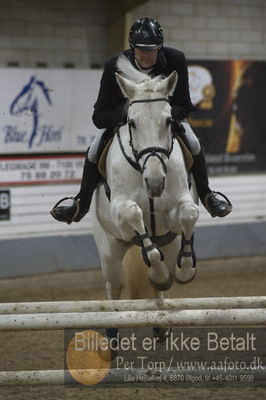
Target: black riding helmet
point(146, 34)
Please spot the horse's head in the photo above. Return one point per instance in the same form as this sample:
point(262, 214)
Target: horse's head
point(149, 123)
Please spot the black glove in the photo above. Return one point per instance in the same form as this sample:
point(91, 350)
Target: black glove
point(178, 113)
point(177, 128)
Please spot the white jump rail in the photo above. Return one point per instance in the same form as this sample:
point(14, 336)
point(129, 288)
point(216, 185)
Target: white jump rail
point(133, 305)
point(54, 377)
point(123, 319)
point(212, 312)
point(64, 378)
point(32, 378)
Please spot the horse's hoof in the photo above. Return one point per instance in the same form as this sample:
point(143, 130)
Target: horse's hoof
point(162, 287)
point(185, 269)
point(182, 278)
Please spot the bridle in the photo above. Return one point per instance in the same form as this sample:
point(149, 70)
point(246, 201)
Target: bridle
point(154, 151)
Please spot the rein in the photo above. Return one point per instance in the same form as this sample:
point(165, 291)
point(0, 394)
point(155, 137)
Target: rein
point(153, 151)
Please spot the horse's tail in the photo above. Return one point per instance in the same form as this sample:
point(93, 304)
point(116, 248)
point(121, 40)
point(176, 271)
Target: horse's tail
point(136, 283)
point(130, 72)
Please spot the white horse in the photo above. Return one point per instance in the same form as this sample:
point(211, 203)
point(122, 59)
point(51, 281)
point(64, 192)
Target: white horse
point(150, 204)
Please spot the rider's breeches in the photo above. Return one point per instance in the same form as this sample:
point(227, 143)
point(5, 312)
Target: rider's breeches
point(199, 168)
point(192, 140)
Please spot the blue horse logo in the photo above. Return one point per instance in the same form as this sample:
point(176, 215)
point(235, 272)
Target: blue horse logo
point(29, 100)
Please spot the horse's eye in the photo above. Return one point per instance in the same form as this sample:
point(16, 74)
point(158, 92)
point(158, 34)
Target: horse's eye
point(132, 124)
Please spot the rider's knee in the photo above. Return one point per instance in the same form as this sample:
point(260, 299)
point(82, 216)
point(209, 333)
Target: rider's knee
point(98, 144)
point(194, 143)
point(92, 152)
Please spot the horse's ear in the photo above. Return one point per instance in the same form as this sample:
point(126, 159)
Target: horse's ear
point(169, 84)
point(127, 87)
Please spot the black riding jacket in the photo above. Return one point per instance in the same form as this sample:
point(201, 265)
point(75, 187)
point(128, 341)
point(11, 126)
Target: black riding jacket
point(109, 107)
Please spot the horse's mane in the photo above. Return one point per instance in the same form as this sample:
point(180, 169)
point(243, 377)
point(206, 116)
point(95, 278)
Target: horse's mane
point(126, 69)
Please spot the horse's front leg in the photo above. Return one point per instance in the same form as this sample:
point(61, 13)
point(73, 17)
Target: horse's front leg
point(128, 218)
point(186, 215)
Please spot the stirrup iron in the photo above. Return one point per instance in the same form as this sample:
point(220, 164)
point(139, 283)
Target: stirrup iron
point(75, 202)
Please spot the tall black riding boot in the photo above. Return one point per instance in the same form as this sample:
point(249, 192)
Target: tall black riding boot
point(90, 178)
point(215, 206)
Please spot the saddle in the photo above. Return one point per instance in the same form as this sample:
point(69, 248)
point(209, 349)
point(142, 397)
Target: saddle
point(188, 158)
point(102, 159)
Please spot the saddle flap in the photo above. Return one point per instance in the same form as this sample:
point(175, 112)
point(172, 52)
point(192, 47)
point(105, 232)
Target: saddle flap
point(186, 154)
point(102, 159)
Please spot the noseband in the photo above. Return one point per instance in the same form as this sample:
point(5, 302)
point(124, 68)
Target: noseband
point(154, 151)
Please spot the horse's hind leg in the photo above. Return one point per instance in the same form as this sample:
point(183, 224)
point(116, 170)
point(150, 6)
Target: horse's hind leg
point(112, 270)
point(111, 253)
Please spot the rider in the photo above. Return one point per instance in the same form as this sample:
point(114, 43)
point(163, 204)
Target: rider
point(147, 54)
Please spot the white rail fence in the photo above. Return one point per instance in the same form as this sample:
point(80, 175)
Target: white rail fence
point(213, 312)
point(30, 206)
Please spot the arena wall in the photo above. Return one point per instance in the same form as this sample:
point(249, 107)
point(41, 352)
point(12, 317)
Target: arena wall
point(212, 29)
point(66, 34)
point(58, 34)
point(52, 34)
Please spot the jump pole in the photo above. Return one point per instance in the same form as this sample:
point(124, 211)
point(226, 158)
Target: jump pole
point(32, 378)
point(133, 305)
point(225, 311)
point(121, 319)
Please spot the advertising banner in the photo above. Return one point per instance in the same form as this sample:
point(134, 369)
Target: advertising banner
point(4, 204)
point(45, 124)
point(230, 118)
point(47, 112)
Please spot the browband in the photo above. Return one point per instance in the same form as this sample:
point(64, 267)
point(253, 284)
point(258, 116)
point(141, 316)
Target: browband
point(149, 100)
